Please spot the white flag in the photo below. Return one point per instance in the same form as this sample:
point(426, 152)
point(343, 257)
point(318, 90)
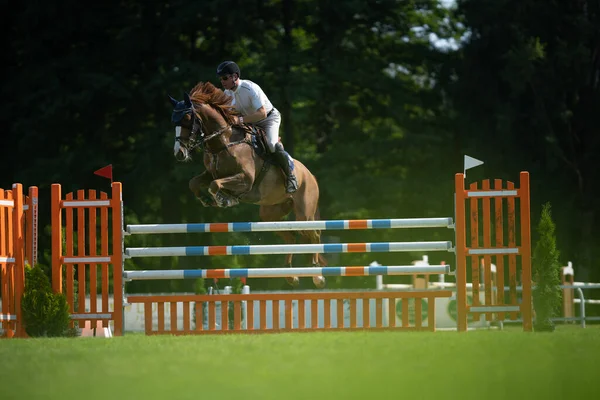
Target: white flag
point(471, 162)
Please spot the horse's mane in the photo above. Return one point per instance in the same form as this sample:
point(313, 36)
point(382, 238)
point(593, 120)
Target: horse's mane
point(207, 93)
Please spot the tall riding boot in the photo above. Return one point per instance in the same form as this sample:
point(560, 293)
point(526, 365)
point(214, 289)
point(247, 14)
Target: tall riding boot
point(287, 165)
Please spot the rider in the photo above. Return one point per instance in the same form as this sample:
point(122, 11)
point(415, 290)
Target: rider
point(255, 108)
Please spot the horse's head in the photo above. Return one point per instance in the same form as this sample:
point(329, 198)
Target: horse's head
point(203, 118)
point(188, 127)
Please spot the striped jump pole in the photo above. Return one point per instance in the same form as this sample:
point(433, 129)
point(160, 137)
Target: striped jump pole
point(285, 272)
point(405, 223)
point(287, 249)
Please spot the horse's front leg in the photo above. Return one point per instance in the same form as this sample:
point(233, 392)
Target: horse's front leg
point(199, 186)
point(223, 190)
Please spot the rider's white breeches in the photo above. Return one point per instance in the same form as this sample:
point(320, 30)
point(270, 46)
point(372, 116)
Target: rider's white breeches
point(271, 127)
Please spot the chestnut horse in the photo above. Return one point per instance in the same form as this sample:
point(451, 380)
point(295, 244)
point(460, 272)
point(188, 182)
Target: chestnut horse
point(235, 172)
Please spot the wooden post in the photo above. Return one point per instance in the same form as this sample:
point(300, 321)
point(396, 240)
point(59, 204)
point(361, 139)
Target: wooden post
point(19, 255)
point(56, 220)
point(31, 226)
point(568, 277)
point(526, 301)
point(117, 255)
point(460, 248)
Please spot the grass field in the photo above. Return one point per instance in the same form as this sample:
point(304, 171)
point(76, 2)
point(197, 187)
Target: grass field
point(505, 364)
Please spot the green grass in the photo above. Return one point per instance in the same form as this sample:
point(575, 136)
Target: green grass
point(505, 364)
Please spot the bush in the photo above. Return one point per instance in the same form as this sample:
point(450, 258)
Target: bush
point(546, 274)
point(45, 313)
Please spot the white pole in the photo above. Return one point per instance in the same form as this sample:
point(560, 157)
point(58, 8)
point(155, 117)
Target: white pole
point(245, 290)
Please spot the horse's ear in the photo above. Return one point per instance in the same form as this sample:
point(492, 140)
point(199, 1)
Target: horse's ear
point(173, 101)
point(186, 98)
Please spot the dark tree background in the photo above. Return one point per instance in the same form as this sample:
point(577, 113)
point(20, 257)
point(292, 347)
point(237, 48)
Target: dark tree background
point(373, 102)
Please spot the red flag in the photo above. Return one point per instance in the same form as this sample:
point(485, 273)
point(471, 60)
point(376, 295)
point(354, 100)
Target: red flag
point(105, 172)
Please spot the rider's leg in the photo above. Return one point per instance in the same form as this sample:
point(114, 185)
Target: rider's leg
point(283, 159)
point(287, 165)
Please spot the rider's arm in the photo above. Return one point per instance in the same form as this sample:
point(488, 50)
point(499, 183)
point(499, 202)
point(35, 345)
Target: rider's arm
point(259, 115)
point(256, 104)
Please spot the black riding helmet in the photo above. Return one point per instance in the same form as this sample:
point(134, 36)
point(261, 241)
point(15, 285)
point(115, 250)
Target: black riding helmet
point(228, 68)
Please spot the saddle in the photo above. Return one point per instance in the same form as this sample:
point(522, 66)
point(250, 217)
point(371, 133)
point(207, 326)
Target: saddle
point(257, 139)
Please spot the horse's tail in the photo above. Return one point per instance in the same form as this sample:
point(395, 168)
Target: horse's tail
point(322, 259)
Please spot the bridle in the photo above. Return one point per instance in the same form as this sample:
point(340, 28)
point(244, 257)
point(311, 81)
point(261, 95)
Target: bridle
point(191, 142)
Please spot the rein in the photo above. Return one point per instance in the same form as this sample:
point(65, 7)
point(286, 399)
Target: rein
point(228, 145)
point(215, 133)
point(194, 143)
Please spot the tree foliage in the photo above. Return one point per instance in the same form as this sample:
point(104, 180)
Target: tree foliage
point(546, 273)
point(45, 313)
point(526, 92)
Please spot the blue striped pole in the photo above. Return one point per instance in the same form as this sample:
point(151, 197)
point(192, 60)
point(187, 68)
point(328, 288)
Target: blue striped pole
point(349, 224)
point(286, 272)
point(287, 249)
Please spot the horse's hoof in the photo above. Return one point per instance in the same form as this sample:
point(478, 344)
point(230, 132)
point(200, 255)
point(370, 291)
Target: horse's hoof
point(319, 282)
point(219, 199)
point(293, 281)
point(225, 201)
point(222, 203)
point(232, 202)
point(207, 203)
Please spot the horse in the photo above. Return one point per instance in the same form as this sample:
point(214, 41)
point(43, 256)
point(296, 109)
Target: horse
point(236, 172)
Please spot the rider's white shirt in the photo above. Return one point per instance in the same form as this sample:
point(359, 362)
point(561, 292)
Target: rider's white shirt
point(249, 97)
